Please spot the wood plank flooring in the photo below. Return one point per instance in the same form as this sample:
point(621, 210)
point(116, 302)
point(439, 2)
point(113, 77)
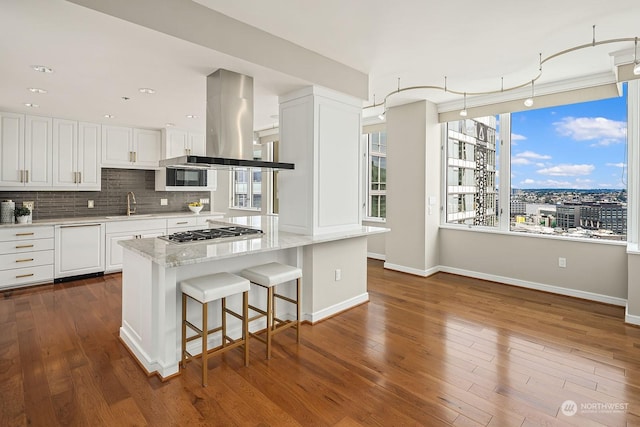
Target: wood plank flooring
point(443, 350)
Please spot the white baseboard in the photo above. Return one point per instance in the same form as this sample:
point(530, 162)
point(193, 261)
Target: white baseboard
point(149, 365)
point(336, 308)
point(374, 255)
point(632, 319)
point(538, 286)
point(411, 270)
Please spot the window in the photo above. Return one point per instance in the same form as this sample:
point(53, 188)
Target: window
point(558, 171)
point(247, 185)
point(568, 169)
point(377, 175)
point(471, 171)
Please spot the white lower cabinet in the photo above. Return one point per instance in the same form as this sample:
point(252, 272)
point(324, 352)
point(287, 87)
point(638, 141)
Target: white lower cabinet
point(79, 249)
point(126, 230)
point(26, 255)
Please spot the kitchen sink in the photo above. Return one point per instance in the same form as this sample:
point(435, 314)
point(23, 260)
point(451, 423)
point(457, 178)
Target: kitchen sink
point(134, 216)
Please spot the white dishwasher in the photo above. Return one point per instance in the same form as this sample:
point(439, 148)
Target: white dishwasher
point(79, 251)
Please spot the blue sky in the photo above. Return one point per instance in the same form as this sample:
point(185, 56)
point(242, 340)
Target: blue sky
point(581, 146)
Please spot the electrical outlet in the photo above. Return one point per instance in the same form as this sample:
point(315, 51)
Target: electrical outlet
point(204, 201)
point(164, 202)
point(29, 205)
point(338, 274)
point(562, 262)
point(90, 204)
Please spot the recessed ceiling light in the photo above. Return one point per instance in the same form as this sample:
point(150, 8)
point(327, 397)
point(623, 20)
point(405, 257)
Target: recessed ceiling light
point(30, 105)
point(109, 116)
point(191, 116)
point(36, 90)
point(170, 125)
point(42, 69)
point(147, 90)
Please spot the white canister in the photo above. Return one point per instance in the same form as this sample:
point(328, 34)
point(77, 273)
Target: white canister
point(6, 211)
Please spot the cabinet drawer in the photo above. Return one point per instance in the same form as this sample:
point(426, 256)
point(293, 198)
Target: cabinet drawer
point(135, 225)
point(27, 259)
point(25, 276)
point(181, 222)
point(15, 247)
point(26, 233)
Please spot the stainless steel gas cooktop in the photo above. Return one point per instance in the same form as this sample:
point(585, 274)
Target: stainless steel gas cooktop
point(212, 233)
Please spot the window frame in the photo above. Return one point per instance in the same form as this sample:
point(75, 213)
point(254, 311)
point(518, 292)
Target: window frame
point(369, 192)
point(250, 184)
point(504, 185)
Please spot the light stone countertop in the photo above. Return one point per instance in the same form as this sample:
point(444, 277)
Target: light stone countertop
point(169, 254)
point(110, 218)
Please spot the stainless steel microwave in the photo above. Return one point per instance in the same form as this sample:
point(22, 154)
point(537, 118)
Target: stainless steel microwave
point(170, 179)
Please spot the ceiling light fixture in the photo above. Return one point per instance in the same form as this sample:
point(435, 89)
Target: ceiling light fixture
point(147, 90)
point(636, 63)
point(191, 116)
point(30, 105)
point(464, 113)
point(36, 90)
point(170, 125)
point(42, 69)
point(529, 101)
point(109, 116)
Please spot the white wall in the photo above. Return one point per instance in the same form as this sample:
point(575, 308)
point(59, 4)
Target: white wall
point(413, 178)
point(594, 271)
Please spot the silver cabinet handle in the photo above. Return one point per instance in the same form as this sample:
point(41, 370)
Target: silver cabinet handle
point(75, 177)
point(25, 234)
point(24, 260)
point(79, 177)
point(182, 222)
point(27, 174)
point(135, 156)
point(21, 175)
point(23, 246)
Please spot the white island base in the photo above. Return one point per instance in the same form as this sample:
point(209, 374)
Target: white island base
point(153, 268)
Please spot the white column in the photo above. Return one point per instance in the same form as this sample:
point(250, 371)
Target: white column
point(320, 133)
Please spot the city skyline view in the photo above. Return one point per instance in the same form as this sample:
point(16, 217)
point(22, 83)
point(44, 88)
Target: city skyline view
point(577, 146)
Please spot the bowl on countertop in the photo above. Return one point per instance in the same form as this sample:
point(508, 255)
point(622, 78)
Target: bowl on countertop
point(195, 209)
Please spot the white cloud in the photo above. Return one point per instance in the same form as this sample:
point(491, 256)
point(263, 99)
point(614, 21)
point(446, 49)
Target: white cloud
point(520, 161)
point(540, 165)
point(517, 137)
point(528, 181)
point(532, 155)
point(617, 165)
point(567, 170)
point(606, 131)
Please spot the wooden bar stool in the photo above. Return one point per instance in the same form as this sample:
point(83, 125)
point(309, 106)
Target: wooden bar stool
point(268, 276)
point(206, 289)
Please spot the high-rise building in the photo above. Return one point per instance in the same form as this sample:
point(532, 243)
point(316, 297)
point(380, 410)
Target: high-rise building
point(471, 171)
point(593, 216)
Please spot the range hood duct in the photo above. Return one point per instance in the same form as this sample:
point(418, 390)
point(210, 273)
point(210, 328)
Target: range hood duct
point(229, 126)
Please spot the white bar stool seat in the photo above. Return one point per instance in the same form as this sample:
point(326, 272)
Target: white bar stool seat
point(206, 289)
point(268, 276)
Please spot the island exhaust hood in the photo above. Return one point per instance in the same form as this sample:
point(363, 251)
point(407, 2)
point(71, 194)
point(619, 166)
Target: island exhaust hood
point(229, 127)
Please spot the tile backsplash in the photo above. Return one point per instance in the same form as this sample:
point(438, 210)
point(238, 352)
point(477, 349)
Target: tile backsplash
point(111, 200)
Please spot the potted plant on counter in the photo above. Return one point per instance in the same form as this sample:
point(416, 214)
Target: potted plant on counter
point(22, 214)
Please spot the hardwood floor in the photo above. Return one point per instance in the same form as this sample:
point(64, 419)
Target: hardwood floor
point(445, 350)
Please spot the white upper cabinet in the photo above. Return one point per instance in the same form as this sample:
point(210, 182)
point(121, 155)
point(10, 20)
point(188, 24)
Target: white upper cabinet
point(147, 145)
point(25, 151)
point(11, 149)
point(177, 142)
point(124, 147)
point(76, 155)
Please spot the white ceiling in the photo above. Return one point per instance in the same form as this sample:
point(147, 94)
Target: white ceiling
point(98, 59)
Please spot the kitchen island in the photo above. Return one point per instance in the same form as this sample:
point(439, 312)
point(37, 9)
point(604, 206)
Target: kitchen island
point(334, 279)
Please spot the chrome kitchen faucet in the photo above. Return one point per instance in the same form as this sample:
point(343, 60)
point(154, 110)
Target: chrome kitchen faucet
point(130, 196)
